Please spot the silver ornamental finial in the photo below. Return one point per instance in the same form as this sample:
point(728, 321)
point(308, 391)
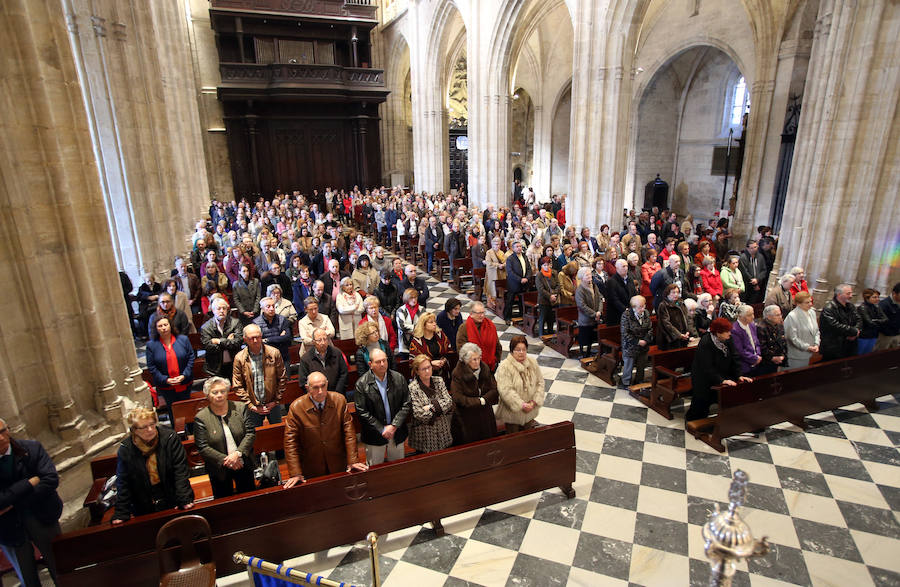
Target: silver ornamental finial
point(728, 538)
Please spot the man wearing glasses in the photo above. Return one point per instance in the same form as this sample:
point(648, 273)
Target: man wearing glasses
point(29, 505)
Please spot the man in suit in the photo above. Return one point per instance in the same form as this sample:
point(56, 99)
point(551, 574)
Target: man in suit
point(619, 291)
point(323, 357)
point(383, 405)
point(593, 245)
point(434, 238)
point(319, 438)
point(455, 244)
point(29, 505)
point(221, 337)
point(259, 378)
point(752, 266)
point(518, 275)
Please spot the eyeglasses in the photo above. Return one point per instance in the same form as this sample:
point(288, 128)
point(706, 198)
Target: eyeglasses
point(147, 428)
point(4, 430)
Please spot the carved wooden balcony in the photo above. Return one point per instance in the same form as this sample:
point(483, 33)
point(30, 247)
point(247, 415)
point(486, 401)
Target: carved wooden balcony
point(344, 9)
point(245, 80)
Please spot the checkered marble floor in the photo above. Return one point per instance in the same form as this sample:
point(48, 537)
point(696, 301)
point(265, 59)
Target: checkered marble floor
point(827, 498)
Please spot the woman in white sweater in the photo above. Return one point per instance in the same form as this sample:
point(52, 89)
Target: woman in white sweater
point(802, 331)
point(521, 387)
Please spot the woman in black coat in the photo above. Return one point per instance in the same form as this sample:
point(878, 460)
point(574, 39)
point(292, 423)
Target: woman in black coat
point(152, 471)
point(474, 392)
point(715, 363)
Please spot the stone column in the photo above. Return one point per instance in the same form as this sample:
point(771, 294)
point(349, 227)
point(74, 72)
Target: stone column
point(841, 216)
point(66, 347)
point(543, 151)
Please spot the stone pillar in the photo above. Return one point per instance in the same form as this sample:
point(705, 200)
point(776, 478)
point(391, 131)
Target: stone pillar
point(66, 348)
point(841, 215)
point(543, 154)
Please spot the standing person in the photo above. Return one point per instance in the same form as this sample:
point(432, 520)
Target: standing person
point(801, 329)
point(246, 296)
point(873, 320)
point(319, 438)
point(474, 392)
point(170, 360)
point(431, 408)
point(406, 320)
point(548, 296)
point(325, 358)
point(590, 310)
point(704, 314)
point(224, 435)
point(429, 340)
point(772, 342)
point(715, 363)
point(676, 324)
point(383, 322)
point(619, 291)
point(495, 261)
point(889, 337)
point(521, 388)
point(840, 325)
point(518, 275)
point(259, 378)
point(165, 307)
point(731, 276)
point(449, 320)
point(746, 342)
point(383, 404)
point(388, 293)
point(781, 296)
point(799, 281)
point(350, 309)
point(312, 321)
point(221, 337)
point(483, 333)
point(752, 266)
point(637, 337)
point(29, 505)
point(275, 329)
point(433, 240)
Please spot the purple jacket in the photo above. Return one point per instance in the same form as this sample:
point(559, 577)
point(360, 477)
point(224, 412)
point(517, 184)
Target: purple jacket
point(742, 346)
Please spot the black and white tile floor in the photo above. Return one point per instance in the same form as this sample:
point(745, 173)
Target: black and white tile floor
point(827, 498)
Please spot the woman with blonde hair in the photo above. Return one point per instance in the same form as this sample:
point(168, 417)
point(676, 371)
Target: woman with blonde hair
point(567, 284)
point(368, 339)
point(350, 309)
point(429, 340)
point(495, 261)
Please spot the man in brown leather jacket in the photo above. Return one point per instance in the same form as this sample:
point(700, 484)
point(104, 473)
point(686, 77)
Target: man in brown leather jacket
point(259, 363)
point(319, 438)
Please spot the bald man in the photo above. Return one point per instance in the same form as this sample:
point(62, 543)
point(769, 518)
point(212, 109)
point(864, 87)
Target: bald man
point(319, 438)
point(259, 378)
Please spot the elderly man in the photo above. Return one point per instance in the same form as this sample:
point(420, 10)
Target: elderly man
point(188, 283)
point(619, 291)
point(312, 321)
point(839, 325)
point(753, 268)
point(259, 378)
point(29, 505)
point(519, 274)
point(326, 302)
point(780, 295)
point(319, 438)
point(383, 405)
point(323, 357)
point(221, 337)
point(483, 333)
point(417, 283)
point(276, 330)
point(671, 273)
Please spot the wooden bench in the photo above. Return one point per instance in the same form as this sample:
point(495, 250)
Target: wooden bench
point(566, 329)
point(532, 313)
point(439, 263)
point(608, 361)
point(790, 396)
point(497, 305)
point(478, 277)
point(194, 337)
point(667, 383)
point(340, 509)
point(462, 270)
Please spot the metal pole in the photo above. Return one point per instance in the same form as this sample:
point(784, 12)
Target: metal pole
point(258, 565)
point(727, 165)
point(372, 538)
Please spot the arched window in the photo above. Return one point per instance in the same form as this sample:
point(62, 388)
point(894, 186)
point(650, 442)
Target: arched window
point(739, 103)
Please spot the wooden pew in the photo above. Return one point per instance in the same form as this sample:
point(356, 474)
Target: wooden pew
point(478, 277)
point(184, 411)
point(667, 383)
point(440, 262)
point(462, 270)
point(532, 313)
point(790, 396)
point(566, 329)
point(340, 508)
point(608, 361)
point(194, 337)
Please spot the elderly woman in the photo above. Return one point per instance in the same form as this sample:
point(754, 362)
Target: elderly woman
point(780, 294)
point(364, 277)
point(429, 340)
point(676, 324)
point(520, 384)
point(548, 295)
point(283, 307)
point(704, 314)
point(567, 257)
point(350, 309)
point(799, 281)
point(224, 435)
point(495, 261)
point(567, 284)
point(801, 329)
point(715, 363)
point(474, 392)
point(584, 257)
point(405, 317)
point(648, 270)
point(151, 470)
point(368, 338)
point(386, 330)
point(637, 336)
point(590, 310)
point(710, 279)
point(731, 276)
point(731, 301)
point(772, 342)
point(432, 408)
point(170, 360)
point(746, 341)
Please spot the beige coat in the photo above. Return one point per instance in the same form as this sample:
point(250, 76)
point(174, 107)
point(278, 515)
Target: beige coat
point(519, 383)
point(495, 262)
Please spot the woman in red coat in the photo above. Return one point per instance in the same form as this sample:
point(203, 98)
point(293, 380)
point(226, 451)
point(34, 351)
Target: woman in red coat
point(712, 281)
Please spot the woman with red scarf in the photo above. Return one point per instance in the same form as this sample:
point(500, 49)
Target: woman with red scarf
point(483, 333)
point(170, 360)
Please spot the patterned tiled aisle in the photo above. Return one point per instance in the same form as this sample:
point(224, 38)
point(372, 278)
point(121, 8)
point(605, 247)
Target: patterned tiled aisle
point(828, 498)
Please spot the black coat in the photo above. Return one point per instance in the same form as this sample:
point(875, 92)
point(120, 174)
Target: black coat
point(892, 312)
point(133, 483)
point(42, 502)
point(711, 367)
point(835, 325)
point(334, 369)
point(619, 292)
point(370, 407)
point(388, 297)
point(214, 352)
point(873, 320)
point(514, 273)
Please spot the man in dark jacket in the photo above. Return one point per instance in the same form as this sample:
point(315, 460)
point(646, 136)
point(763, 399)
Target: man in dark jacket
point(889, 337)
point(518, 275)
point(619, 291)
point(671, 273)
point(411, 281)
point(839, 325)
point(455, 244)
point(29, 505)
point(434, 237)
point(324, 358)
point(752, 266)
point(383, 405)
point(276, 331)
point(221, 337)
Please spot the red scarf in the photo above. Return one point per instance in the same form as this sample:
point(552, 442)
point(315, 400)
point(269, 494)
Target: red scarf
point(412, 311)
point(485, 337)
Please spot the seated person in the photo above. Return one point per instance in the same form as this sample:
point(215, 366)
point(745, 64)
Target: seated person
point(323, 357)
point(152, 471)
point(368, 339)
point(224, 435)
point(319, 438)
